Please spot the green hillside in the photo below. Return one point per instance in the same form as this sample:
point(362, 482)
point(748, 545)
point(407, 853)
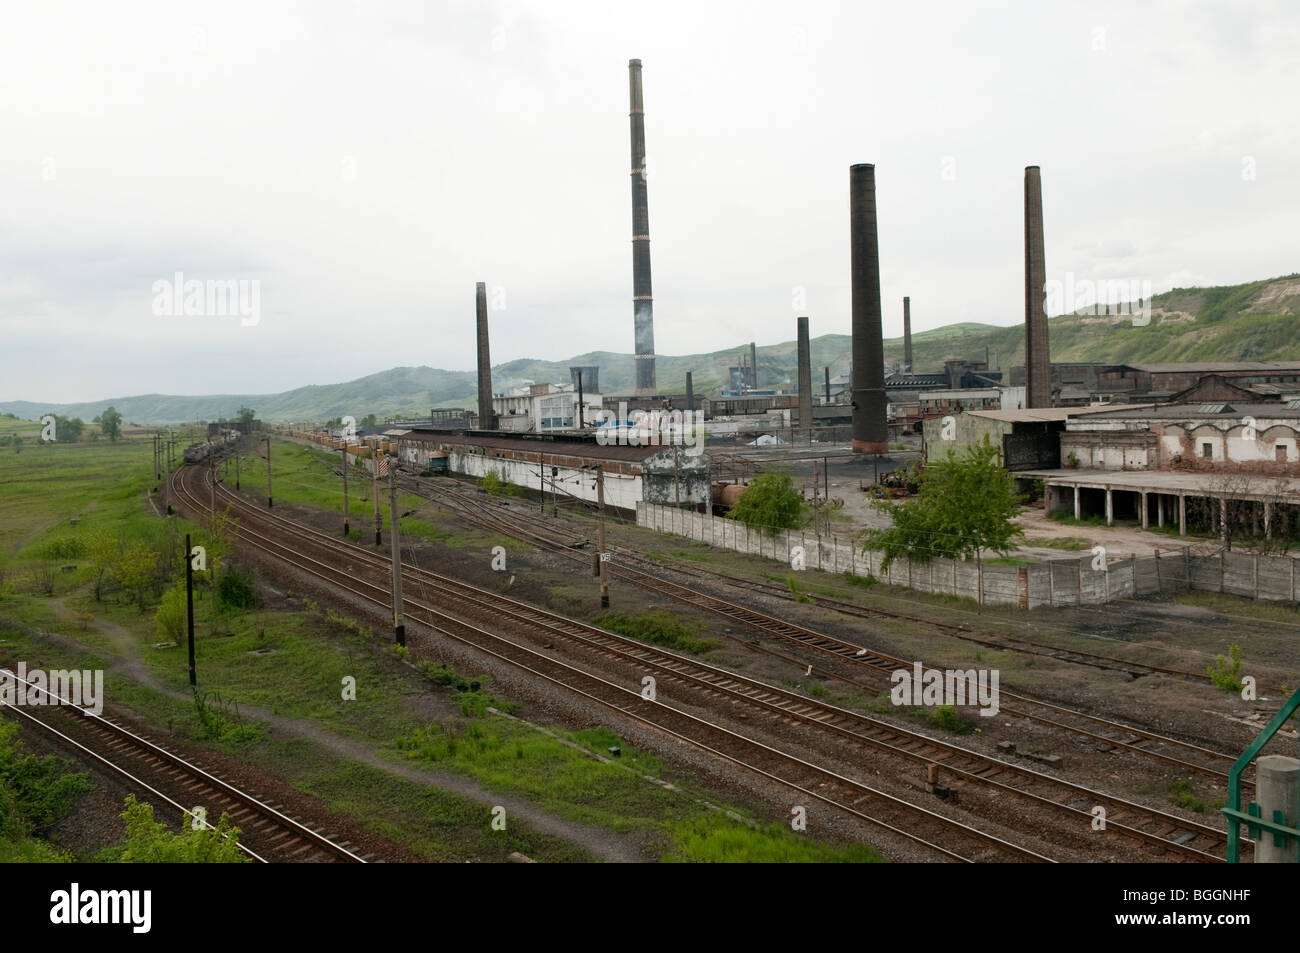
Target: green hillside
point(1259, 321)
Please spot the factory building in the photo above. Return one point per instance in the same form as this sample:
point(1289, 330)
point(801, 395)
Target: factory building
point(1081, 383)
point(544, 408)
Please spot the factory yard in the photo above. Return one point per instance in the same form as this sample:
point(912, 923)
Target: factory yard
point(443, 735)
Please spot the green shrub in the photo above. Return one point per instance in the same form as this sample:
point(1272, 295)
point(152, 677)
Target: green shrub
point(1226, 672)
point(946, 717)
point(237, 590)
point(62, 547)
point(171, 615)
point(148, 842)
point(1185, 797)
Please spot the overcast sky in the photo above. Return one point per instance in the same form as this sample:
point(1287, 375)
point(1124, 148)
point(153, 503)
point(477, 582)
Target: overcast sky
point(367, 163)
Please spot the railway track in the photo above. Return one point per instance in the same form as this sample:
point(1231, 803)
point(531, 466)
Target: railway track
point(1103, 733)
point(967, 633)
point(945, 836)
point(267, 834)
point(1152, 827)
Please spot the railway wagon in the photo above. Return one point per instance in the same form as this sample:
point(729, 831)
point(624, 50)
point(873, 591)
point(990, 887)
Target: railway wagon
point(199, 452)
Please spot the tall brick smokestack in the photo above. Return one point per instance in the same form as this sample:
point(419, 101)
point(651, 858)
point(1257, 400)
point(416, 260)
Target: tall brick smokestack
point(690, 392)
point(805, 379)
point(870, 430)
point(486, 419)
point(642, 297)
point(1038, 359)
point(753, 365)
point(907, 335)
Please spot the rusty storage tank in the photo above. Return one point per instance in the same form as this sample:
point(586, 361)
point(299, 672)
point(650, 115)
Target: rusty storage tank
point(726, 494)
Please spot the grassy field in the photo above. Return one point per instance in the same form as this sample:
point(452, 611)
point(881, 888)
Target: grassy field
point(271, 682)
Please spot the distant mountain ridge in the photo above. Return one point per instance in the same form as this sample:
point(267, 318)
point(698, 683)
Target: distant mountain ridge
point(1258, 321)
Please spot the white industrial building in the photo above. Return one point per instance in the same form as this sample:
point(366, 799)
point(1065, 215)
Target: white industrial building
point(543, 408)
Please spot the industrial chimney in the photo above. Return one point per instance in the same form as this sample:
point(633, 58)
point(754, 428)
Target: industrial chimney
point(753, 366)
point(870, 429)
point(486, 419)
point(1038, 362)
point(907, 335)
point(642, 298)
point(805, 379)
point(690, 392)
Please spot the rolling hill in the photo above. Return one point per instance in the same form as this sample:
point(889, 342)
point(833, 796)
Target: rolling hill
point(1258, 321)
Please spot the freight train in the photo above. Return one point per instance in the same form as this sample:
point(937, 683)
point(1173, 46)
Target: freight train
point(199, 452)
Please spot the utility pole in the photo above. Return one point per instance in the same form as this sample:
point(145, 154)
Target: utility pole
point(399, 629)
point(541, 480)
point(189, 601)
point(604, 556)
point(579, 400)
point(236, 464)
point(346, 528)
point(374, 469)
point(268, 471)
point(555, 494)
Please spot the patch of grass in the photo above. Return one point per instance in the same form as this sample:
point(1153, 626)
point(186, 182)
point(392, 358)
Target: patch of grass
point(700, 841)
point(794, 591)
point(1060, 542)
point(691, 556)
point(1006, 561)
point(659, 628)
point(1181, 793)
point(862, 582)
point(1061, 516)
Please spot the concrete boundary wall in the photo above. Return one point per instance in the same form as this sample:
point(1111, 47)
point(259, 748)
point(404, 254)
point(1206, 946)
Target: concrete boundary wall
point(1057, 582)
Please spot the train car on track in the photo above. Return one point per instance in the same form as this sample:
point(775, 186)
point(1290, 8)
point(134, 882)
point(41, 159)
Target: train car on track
point(199, 452)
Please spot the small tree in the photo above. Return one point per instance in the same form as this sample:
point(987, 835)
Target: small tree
point(110, 424)
point(171, 614)
point(103, 552)
point(1226, 672)
point(67, 430)
point(135, 570)
point(771, 503)
point(964, 506)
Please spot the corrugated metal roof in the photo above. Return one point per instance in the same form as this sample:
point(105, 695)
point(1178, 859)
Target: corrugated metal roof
point(1272, 409)
point(1209, 367)
point(1050, 413)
